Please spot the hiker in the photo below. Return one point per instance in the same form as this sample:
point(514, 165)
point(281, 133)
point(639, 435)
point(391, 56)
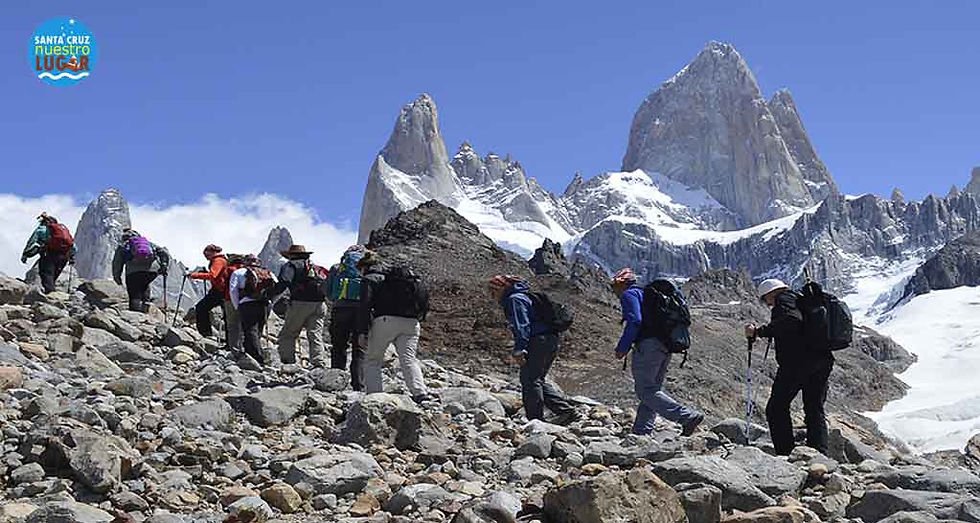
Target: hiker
point(535, 349)
point(393, 305)
point(143, 261)
point(250, 288)
point(56, 247)
point(650, 361)
point(344, 291)
point(306, 310)
point(799, 369)
point(218, 275)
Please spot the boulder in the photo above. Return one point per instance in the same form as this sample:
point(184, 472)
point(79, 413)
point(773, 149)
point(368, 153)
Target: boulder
point(283, 497)
point(329, 380)
point(12, 291)
point(537, 446)
point(10, 355)
point(499, 507)
point(637, 496)
point(11, 378)
point(98, 462)
point(271, 407)
point(931, 479)
point(772, 475)
point(128, 352)
point(876, 505)
point(27, 474)
point(792, 514)
point(216, 414)
point(179, 336)
point(103, 293)
point(734, 430)
point(421, 496)
point(94, 364)
point(383, 418)
point(335, 473)
point(702, 503)
point(737, 491)
point(473, 399)
point(69, 512)
point(250, 510)
point(133, 386)
point(846, 448)
point(16, 512)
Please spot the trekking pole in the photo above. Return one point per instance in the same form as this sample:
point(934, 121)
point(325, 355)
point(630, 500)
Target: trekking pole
point(70, 267)
point(165, 294)
point(179, 297)
point(749, 403)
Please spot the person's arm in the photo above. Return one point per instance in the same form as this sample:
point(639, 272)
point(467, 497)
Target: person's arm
point(234, 283)
point(518, 314)
point(35, 242)
point(786, 321)
point(633, 320)
point(286, 274)
point(163, 258)
point(423, 301)
point(365, 310)
point(117, 265)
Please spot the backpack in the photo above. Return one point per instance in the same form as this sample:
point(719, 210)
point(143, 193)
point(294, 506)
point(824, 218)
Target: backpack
point(258, 283)
point(666, 316)
point(60, 240)
point(344, 284)
point(139, 248)
point(235, 262)
point(402, 294)
point(557, 316)
point(827, 322)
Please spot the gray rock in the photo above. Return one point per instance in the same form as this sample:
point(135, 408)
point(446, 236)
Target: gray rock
point(279, 240)
point(499, 507)
point(69, 512)
point(383, 418)
point(127, 352)
point(848, 449)
point(251, 509)
point(638, 496)
point(27, 473)
point(179, 336)
point(271, 407)
point(527, 471)
point(12, 291)
point(103, 293)
point(133, 386)
point(11, 355)
point(329, 380)
point(702, 503)
point(98, 462)
point(738, 492)
point(831, 506)
point(473, 399)
point(930, 479)
point(877, 505)
point(911, 517)
point(537, 446)
point(421, 496)
point(98, 337)
point(46, 311)
point(734, 430)
point(129, 502)
point(335, 473)
point(94, 364)
point(772, 475)
point(216, 413)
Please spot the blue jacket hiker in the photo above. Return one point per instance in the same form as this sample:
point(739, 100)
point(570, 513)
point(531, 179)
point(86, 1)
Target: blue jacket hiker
point(650, 361)
point(535, 348)
point(54, 245)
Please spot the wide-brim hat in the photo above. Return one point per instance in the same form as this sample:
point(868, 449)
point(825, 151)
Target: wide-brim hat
point(295, 250)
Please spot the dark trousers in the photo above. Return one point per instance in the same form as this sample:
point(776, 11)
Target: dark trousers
point(253, 316)
point(343, 334)
point(49, 267)
point(203, 310)
point(812, 380)
point(138, 289)
point(538, 393)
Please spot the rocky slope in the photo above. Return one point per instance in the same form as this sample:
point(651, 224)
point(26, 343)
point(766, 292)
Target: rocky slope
point(955, 265)
point(111, 416)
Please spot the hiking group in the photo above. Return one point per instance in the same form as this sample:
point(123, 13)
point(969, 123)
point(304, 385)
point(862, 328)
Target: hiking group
point(377, 305)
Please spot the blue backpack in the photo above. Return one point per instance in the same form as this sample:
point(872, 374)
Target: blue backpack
point(344, 284)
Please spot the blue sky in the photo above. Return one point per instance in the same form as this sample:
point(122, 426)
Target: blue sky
point(296, 98)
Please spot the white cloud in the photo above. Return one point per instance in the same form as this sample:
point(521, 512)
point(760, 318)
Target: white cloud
point(239, 224)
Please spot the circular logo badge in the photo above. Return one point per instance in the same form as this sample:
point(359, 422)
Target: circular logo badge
point(63, 52)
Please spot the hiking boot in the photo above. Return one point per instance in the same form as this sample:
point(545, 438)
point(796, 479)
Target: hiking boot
point(692, 425)
point(566, 418)
point(247, 362)
point(422, 398)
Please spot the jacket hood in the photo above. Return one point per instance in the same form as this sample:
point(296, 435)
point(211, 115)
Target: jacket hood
point(517, 287)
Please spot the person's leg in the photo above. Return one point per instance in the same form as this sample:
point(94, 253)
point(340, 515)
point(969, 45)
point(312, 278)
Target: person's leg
point(643, 382)
point(784, 389)
point(291, 327)
point(343, 334)
point(234, 327)
point(532, 380)
point(46, 272)
point(407, 345)
point(60, 262)
point(379, 337)
point(314, 335)
point(203, 311)
point(338, 344)
point(147, 297)
point(553, 398)
point(250, 314)
point(814, 396)
point(134, 289)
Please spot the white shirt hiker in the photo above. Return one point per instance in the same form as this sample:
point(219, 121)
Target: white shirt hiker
point(236, 284)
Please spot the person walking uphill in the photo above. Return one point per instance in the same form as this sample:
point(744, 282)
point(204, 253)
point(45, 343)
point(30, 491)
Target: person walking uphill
point(535, 349)
point(650, 361)
point(344, 291)
point(393, 305)
point(250, 288)
point(799, 369)
point(143, 261)
point(305, 282)
point(56, 247)
point(218, 276)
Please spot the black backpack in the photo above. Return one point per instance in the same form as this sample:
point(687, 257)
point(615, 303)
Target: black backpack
point(557, 316)
point(827, 322)
point(666, 316)
point(401, 294)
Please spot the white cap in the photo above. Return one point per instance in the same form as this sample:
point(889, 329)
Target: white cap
point(768, 286)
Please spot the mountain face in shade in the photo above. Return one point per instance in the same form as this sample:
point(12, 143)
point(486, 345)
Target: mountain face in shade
point(279, 240)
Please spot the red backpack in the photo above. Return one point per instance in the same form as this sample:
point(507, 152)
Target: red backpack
point(60, 240)
point(258, 283)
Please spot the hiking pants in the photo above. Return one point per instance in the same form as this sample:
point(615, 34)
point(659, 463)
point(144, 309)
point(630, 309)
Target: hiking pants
point(309, 315)
point(812, 380)
point(203, 311)
point(650, 362)
point(253, 316)
point(343, 334)
point(536, 392)
point(234, 327)
point(49, 267)
point(404, 334)
point(138, 289)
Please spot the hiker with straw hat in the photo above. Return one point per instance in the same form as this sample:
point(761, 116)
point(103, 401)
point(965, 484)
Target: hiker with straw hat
point(306, 308)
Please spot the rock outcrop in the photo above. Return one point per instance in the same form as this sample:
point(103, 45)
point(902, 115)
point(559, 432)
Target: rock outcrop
point(955, 265)
point(279, 240)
